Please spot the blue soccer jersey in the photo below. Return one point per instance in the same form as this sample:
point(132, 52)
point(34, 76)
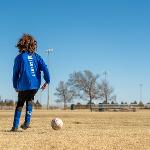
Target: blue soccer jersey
point(27, 71)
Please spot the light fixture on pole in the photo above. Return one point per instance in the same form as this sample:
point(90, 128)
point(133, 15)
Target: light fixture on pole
point(48, 51)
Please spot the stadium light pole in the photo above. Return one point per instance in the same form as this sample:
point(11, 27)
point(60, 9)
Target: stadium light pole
point(105, 74)
point(48, 51)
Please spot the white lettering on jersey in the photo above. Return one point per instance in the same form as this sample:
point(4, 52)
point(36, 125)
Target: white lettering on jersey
point(30, 59)
point(31, 63)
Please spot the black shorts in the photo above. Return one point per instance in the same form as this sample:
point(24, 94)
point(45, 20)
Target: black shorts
point(25, 96)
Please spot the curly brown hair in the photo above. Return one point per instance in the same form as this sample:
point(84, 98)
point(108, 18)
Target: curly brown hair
point(27, 43)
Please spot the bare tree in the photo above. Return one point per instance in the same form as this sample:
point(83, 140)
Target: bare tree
point(106, 91)
point(86, 85)
point(64, 93)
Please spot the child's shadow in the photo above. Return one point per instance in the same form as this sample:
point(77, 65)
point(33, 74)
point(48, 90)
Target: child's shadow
point(9, 131)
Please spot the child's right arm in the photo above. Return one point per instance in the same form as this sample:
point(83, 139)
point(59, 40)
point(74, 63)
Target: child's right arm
point(44, 68)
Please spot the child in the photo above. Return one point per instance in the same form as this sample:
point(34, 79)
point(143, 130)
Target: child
point(27, 78)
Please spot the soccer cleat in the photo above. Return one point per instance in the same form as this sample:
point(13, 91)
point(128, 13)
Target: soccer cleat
point(13, 129)
point(25, 126)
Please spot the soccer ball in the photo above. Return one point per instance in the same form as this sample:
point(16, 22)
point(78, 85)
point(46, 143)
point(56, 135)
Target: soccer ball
point(56, 123)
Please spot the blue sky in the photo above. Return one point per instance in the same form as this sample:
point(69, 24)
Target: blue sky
point(97, 35)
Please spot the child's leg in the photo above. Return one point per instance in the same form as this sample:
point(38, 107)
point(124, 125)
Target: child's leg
point(18, 110)
point(28, 114)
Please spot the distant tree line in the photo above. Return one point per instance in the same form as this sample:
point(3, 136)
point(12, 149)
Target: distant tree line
point(8, 102)
point(37, 105)
point(85, 86)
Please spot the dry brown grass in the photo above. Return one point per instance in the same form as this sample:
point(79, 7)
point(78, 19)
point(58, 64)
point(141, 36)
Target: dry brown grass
point(82, 130)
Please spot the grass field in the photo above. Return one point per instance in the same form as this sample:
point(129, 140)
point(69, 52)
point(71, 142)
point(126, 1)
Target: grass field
point(83, 130)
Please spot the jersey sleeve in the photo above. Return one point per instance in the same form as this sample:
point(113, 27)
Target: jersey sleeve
point(16, 68)
point(44, 68)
